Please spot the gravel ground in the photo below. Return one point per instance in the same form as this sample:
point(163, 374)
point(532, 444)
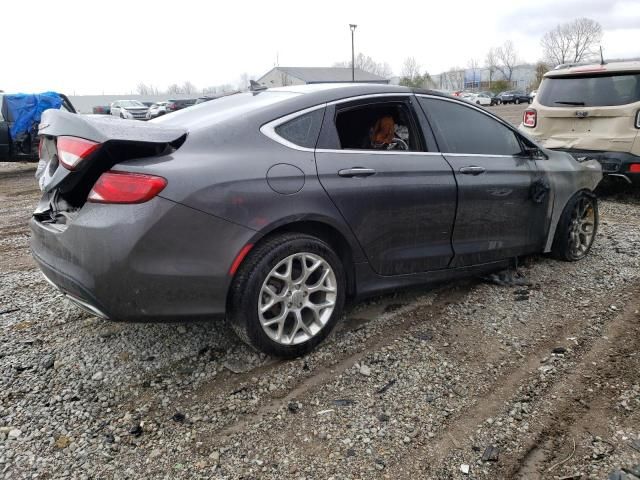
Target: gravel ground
point(530, 374)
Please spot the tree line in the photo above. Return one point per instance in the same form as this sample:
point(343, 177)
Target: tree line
point(572, 42)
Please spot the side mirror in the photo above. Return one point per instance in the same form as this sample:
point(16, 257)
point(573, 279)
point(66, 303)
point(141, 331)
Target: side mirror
point(533, 153)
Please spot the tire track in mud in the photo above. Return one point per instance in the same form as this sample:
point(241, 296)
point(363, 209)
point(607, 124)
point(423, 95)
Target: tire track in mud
point(583, 405)
point(551, 415)
point(327, 369)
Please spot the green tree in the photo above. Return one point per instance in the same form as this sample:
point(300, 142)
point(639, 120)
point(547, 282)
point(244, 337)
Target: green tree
point(499, 86)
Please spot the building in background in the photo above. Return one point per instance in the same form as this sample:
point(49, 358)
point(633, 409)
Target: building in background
point(522, 77)
point(285, 76)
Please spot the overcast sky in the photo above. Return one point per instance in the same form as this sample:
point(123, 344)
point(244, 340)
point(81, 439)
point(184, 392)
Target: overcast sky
point(90, 47)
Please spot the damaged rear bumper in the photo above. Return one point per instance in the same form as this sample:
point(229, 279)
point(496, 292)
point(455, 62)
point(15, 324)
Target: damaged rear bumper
point(155, 261)
point(614, 164)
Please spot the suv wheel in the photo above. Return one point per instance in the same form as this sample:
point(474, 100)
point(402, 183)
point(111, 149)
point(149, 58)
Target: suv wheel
point(577, 228)
point(288, 295)
point(517, 101)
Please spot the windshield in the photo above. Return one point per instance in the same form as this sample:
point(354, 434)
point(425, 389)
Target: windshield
point(595, 91)
point(131, 103)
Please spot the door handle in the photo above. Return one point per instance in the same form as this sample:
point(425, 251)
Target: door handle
point(472, 170)
point(357, 172)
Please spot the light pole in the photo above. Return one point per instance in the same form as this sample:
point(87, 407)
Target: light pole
point(353, 26)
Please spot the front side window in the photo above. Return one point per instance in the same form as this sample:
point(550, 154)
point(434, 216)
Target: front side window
point(303, 130)
point(462, 129)
point(377, 126)
point(594, 91)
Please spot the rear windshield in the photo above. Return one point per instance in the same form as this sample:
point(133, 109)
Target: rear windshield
point(224, 108)
point(595, 91)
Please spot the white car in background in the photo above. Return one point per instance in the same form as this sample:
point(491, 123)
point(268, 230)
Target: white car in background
point(157, 109)
point(131, 109)
point(480, 99)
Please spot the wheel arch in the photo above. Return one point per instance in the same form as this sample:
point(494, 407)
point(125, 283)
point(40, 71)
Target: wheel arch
point(554, 224)
point(345, 247)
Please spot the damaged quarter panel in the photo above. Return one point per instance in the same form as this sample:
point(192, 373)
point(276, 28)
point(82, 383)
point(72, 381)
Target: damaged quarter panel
point(567, 177)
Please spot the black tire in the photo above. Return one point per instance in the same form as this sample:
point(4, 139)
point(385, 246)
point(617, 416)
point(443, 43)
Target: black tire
point(517, 101)
point(564, 240)
point(247, 284)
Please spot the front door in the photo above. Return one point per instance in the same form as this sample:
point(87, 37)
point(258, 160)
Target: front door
point(398, 197)
point(503, 200)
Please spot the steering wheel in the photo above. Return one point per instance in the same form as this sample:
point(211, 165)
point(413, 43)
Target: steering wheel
point(398, 144)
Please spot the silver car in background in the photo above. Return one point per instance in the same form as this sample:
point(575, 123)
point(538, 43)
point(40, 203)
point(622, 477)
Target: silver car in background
point(129, 109)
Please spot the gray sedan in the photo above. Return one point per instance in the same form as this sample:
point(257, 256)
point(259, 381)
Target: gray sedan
point(273, 207)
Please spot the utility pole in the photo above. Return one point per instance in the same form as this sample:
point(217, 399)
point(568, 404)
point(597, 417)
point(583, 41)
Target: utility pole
point(353, 53)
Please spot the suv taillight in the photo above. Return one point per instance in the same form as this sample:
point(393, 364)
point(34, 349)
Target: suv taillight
point(126, 187)
point(530, 118)
point(73, 150)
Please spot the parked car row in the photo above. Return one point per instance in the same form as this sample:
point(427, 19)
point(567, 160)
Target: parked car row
point(137, 110)
point(489, 98)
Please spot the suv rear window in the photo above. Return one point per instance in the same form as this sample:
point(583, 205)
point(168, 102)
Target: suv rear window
point(594, 91)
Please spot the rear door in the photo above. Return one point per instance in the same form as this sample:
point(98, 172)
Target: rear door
point(400, 203)
point(503, 200)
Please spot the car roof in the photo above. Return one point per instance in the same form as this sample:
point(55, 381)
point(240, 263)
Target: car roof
point(594, 69)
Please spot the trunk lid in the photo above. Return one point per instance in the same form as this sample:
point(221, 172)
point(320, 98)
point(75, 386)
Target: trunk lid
point(65, 190)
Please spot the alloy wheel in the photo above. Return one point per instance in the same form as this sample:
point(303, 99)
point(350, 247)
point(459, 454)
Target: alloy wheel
point(582, 227)
point(297, 298)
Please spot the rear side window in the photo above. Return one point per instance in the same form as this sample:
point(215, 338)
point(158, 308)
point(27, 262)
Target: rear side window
point(594, 91)
point(462, 129)
point(303, 130)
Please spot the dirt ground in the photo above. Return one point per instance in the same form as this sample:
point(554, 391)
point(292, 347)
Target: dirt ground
point(531, 374)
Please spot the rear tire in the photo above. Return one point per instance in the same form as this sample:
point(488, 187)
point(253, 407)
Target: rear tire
point(517, 102)
point(280, 307)
point(577, 228)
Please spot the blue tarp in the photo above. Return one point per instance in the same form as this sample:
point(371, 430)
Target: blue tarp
point(25, 109)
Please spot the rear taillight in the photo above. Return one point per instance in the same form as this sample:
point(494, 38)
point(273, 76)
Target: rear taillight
point(126, 187)
point(73, 150)
point(529, 118)
point(634, 168)
point(171, 106)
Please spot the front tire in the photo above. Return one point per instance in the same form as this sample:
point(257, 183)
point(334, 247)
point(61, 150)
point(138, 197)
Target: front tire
point(577, 228)
point(288, 295)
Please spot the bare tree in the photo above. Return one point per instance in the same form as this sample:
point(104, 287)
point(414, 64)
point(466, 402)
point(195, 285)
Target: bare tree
point(474, 66)
point(142, 89)
point(188, 88)
point(491, 63)
point(507, 59)
point(541, 69)
point(173, 89)
point(571, 42)
point(368, 64)
point(410, 68)
point(411, 76)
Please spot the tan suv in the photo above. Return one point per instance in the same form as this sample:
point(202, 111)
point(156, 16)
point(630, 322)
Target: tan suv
point(591, 111)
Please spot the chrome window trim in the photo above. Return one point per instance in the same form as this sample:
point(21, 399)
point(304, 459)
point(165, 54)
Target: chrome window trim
point(485, 155)
point(376, 152)
point(269, 128)
point(371, 95)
